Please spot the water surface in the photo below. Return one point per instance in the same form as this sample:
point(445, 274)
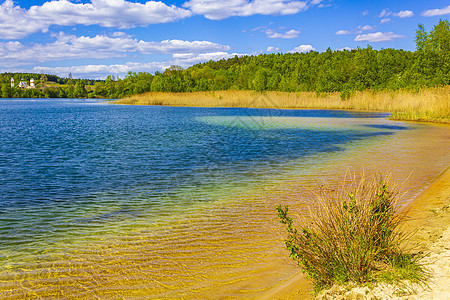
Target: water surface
point(137, 201)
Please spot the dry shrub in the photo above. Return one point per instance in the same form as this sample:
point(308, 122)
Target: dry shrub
point(353, 234)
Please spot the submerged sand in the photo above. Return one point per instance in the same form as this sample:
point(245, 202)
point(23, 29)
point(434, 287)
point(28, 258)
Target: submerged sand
point(429, 220)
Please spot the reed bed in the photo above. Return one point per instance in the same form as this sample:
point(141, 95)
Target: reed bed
point(353, 235)
point(428, 104)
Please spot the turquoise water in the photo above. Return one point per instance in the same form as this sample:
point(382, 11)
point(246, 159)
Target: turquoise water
point(67, 164)
point(83, 175)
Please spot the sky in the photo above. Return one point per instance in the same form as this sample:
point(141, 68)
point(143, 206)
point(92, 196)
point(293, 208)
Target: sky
point(95, 38)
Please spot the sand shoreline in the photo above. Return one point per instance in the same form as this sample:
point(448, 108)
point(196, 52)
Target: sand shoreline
point(429, 218)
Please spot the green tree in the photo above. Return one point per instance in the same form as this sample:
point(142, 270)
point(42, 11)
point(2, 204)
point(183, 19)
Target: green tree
point(421, 37)
point(6, 91)
point(99, 89)
point(440, 36)
point(260, 80)
point(110, 86)
point(80, 89)
point(157, 83)
point(43, 80)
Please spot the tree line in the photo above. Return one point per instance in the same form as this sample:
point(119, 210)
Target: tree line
point(330, 71)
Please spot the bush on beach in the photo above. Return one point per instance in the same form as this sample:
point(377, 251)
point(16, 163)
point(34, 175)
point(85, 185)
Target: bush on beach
point(353, 235)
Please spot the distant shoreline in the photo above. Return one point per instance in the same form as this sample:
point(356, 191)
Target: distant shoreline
point(425, 105)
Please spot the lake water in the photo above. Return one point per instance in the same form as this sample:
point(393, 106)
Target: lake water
point(105, 200)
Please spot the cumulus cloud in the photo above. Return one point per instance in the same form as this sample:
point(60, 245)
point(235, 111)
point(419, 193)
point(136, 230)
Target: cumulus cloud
point(302, 48)
point(188, 59)
point(291, 34)
point(404, 14)
point(100, 71)
point(378, 37)
point(385, 20)
point(272, 49)
point(97, 47)
point(365, 28)
point(177, 46)
point(70, 47)
point(17, 22)
point(219, 9)
point(342, 32)
point(437, 12)
point(358, 30)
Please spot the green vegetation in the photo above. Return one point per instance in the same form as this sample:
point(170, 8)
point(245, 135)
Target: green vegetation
point(353, 236)
point(47, 86)
point(331, 71)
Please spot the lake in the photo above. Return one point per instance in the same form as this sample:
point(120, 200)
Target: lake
point(107, 200)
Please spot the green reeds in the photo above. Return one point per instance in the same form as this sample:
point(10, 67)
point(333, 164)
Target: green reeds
point(353, 235)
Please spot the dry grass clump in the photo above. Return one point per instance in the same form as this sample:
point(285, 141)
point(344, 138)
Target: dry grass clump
point(428, 104)
point(353, 235)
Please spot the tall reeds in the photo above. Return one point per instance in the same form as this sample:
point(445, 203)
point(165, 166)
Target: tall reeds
point(428, 104)
point(352, 235)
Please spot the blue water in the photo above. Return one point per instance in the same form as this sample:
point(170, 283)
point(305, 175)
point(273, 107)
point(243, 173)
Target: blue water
point(67, 166)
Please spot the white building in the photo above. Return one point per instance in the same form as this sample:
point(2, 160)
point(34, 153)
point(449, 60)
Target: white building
point(23, 84)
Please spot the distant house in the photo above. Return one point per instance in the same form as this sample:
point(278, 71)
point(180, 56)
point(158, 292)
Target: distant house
point(23, 84)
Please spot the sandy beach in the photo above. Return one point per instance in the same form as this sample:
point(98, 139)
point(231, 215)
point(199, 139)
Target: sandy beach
point(429, 221)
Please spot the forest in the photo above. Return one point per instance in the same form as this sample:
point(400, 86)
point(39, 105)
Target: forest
point(343, 71)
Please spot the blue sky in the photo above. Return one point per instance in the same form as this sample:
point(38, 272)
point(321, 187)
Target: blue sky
point(96, 38)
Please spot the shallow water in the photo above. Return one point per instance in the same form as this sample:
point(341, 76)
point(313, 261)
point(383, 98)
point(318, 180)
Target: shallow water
point(105, 200)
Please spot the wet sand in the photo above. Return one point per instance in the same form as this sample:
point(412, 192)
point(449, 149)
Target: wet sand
point(429, 221)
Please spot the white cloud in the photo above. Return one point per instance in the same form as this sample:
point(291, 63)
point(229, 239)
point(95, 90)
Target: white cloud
point(365, 13)
point(385, 20)
point(366, 28)
point(315, 2)
point(100, 71)
point(342, 32)
point(378, 37)
point(258, 28)
point(17, 22)
point(384, 13)
point(219, 9)
point(189, 59)
point(436, 12)
point(404, 14)
point(272, 49)
point(302, 48)
point(177, 46)
point(70, 47)
point(97, 47)
point(291, 34)
point(345, 48)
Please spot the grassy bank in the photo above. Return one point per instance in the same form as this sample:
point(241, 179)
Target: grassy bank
point(431, 104)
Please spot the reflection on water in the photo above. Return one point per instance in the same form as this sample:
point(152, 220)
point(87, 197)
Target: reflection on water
point(107, 201)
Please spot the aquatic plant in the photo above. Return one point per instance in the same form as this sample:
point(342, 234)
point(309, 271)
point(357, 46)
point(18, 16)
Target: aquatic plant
point(426, 104)
point(353, 235)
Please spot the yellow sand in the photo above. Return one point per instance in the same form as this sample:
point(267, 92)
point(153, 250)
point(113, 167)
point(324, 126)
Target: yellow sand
point(429, 219)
